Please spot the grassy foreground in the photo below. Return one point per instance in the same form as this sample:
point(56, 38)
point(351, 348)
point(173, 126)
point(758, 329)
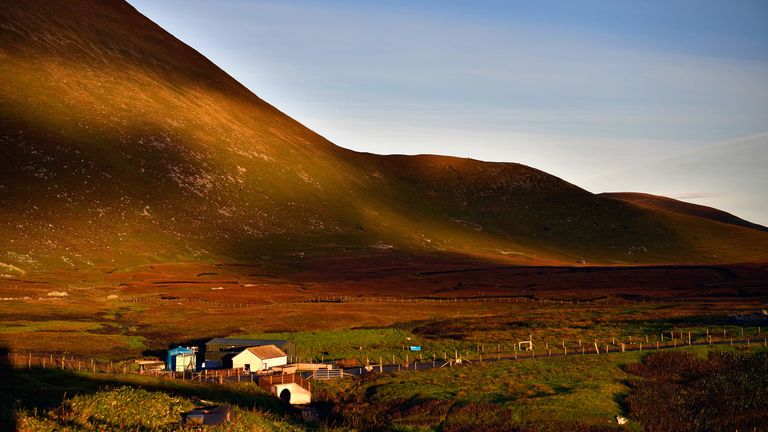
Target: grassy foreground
point(579, 392)
point(548, 394)
point(51, 399)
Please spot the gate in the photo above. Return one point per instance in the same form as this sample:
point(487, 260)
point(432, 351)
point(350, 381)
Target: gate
point(326, 374)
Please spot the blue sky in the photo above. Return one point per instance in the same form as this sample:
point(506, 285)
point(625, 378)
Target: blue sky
point(666, 97)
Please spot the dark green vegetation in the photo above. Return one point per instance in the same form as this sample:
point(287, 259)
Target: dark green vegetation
point(725, 391)
point(121, 145)
point(680, 390)
point(689, 389)
point(542, 394)
point(45, 400)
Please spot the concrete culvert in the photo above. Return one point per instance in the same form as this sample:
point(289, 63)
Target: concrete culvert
point(285, 396)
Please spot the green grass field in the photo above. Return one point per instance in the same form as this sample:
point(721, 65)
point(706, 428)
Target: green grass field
point(543, 394)
point(51, 399)
point(578, 392)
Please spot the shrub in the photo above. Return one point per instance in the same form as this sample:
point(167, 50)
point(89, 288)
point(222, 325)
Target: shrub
point(727, 391)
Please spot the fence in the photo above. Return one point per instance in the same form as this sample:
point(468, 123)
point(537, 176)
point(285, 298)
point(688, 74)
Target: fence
point(71, 363)
point(666, 340)
point(499, 299)
point(267, 381)
point(592, 348)
point(604, 301)
point(405, 359)
point(219, 376)
point(58, 361)
point(327, 374)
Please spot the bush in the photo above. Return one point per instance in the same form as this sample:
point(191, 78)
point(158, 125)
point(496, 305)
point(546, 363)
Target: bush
point(727, 391)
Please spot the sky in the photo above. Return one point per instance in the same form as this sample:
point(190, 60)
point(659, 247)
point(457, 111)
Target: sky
point(668, 97)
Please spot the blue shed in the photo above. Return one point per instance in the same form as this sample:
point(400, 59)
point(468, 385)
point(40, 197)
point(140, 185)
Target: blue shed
point(181, 359)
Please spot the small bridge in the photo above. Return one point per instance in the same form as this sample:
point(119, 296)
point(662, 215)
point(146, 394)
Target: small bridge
point(291, 388)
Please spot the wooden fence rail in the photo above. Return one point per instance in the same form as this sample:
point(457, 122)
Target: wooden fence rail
point(483, 353)
point(266, 382)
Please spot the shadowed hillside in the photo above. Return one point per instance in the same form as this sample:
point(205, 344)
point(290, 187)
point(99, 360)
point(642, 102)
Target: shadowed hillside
point(122, 146)
point(681, 207)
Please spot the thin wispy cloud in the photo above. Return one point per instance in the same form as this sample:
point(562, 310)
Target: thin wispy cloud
point(697, 195)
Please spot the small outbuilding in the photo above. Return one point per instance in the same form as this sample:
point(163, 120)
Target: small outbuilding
point(181, 359)
point(259, 358)
point(219, 351)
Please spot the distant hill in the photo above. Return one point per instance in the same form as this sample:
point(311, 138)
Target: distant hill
point(682, 207)
point(123, 146)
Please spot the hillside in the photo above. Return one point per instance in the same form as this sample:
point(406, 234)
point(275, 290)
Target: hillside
point(682, 207)
point(123, 146)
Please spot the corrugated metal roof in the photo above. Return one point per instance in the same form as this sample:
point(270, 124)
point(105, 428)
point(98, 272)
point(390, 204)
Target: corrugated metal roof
point(266, 352)
point(245, 342)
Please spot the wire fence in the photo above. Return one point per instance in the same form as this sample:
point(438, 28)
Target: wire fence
point(480, 299)
point(406, 360)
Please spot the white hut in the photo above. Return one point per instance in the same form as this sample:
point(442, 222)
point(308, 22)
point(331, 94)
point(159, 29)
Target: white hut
point(259, 358)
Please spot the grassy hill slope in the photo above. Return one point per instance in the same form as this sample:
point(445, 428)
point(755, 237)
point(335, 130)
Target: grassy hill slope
point(681, 207)
point(122, 145)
